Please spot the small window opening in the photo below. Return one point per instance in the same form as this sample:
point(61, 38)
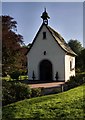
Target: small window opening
point(44, 35)
point(44, 52)
point(70, 65)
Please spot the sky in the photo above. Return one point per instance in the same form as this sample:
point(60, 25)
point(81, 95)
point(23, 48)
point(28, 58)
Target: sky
point(65, 17)
point(42, 0)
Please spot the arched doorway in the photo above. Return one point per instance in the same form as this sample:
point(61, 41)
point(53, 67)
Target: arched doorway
point(45, 70)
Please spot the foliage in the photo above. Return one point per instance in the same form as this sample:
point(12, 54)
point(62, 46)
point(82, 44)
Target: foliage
point(66, 106)
point(15, 75)
point(24, 72)
point(75, 46)
point(75, 81)
point(36, 92)
point(21, 77)
point(13, 53)
point(14, 91)
point(82, 59)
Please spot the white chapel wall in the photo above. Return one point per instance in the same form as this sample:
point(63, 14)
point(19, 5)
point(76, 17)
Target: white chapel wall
point(54, 54)
point(69, 71)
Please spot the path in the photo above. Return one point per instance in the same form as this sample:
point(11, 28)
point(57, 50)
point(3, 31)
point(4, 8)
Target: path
point(46, 85)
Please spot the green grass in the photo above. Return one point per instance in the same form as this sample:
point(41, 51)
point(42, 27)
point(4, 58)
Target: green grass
point(23, 77)
point(62, 106)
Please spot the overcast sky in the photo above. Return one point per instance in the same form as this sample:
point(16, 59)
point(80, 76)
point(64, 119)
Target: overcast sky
point(65, 17)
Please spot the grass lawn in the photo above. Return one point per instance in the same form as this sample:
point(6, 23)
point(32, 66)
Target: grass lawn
point(63, 106)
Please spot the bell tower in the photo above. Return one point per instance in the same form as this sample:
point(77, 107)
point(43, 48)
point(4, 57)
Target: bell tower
point(45, 17)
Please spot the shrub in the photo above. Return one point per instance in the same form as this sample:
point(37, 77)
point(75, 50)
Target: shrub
point(22, 91)
point(14, 91)
point(15, 75)
point(23, 72)
point(36, 92)
point(4, 74)
point(75, 81)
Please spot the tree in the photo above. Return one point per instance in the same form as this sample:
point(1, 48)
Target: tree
point(82, 59)
point(76, 46)
point(11, 45)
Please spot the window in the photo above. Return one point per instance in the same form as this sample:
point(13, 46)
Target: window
point(44, 35)
point(44, 52)
point(70, 65)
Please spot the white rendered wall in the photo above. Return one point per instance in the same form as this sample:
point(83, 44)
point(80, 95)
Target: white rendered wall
point(54, 54)
point(68, 71)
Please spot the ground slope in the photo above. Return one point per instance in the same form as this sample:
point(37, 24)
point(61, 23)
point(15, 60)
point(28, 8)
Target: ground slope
point(66, 105)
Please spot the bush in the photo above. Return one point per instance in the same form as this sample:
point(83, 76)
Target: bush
point(23, 72)
point(36, 92)
point(4, 74)
point(14, 91)
point(15, 75)
point(75, 81)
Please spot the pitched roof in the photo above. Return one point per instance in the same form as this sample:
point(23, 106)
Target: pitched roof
point(61, 42)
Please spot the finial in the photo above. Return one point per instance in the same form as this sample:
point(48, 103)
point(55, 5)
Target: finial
point(45, 9)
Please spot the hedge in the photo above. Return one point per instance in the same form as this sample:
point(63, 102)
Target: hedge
point(14, 91)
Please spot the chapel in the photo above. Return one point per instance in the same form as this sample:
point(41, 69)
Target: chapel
point(49, 56)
